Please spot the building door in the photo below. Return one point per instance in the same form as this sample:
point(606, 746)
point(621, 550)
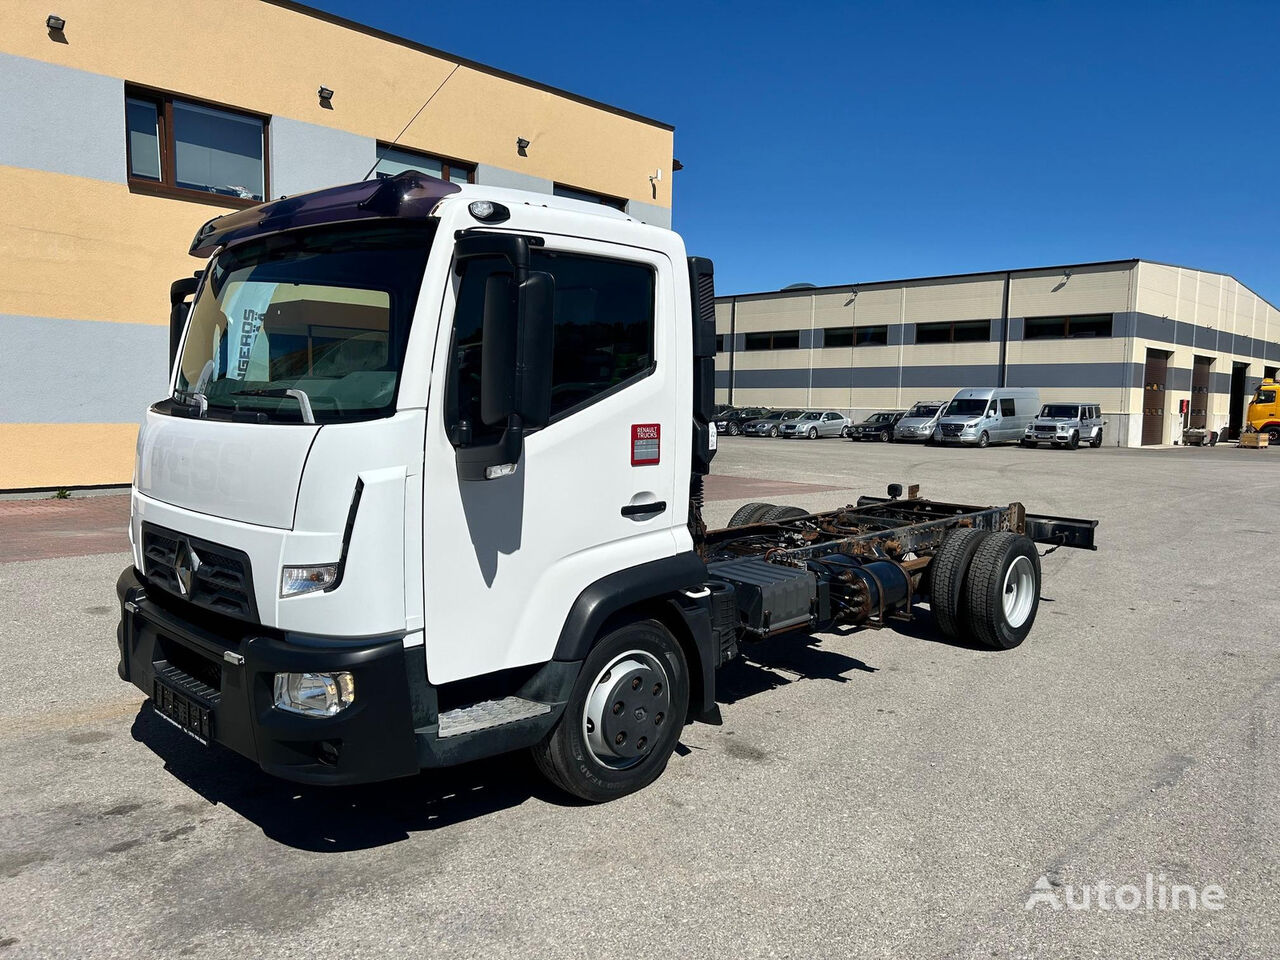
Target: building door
point(1235, 421)
point(1198, 414)
point(1154, 382)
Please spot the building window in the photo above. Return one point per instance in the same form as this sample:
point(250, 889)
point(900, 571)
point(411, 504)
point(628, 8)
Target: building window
point(872, 336)
point(961, 331)
point(773, 340)
point(393, 160)
point(722, 343)
point(1053, 328)
point(573, 193)
point(181, 147)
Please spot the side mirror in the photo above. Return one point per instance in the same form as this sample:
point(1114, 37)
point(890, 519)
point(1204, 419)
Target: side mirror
point(516, 355)
point(179, 291)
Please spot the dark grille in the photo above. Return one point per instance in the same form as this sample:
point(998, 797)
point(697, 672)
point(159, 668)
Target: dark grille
point(952, 429)
point(222, 582)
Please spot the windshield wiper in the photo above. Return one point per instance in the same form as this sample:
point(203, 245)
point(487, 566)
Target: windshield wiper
point(304, 402)
point(193, 399)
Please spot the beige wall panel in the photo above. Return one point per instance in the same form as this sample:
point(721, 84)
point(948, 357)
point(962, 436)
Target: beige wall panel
point(1084, 350)
point(66, 454)
point(771, 360)
point(829, 398)
point(781, 313)
point(978, 298)
point(764, 397)
point(1157, 290)
point(1046, 293)
point(266, 58)
point(1111, 400)
point(856, 357)
point(91, 250)
point(724, 317)
point(877, 398)
point(869, 307)
point(944, 354)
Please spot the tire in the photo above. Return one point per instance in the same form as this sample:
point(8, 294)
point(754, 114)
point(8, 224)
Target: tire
point(733, 429)
point(773, 431)
point(1096, 442)
point(783, 513)
point(641, 667)
point(1002, 590)
point(749, 513)
point(844, 433)
point(1074, 442)
point(984, 439)
point(885, 436)
point(946, 579)
point(813, 433)
point(1272, 430)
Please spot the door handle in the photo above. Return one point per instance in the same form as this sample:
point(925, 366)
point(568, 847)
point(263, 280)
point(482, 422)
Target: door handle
point(642, 511)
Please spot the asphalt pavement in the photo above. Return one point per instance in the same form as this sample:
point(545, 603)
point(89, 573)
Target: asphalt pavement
point(870, 794)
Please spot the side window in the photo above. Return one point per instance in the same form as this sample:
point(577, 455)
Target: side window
point(463, 392)
point(1007, 408)
point(991, 409)
point(831, 416)
point(603, 325)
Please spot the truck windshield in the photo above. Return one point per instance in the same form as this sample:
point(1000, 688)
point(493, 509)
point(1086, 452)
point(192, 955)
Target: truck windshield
point(966, 407)
point(1059, 411)
point(923, 410)
point(306, 324)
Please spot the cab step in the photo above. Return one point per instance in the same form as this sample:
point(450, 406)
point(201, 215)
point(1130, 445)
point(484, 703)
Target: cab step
point(488, 714)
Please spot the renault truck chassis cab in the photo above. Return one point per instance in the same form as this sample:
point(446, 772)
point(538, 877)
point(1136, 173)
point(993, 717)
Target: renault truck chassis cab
point(427, 488)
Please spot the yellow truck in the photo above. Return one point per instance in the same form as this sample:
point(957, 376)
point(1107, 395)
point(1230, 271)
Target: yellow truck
point(1263, 415)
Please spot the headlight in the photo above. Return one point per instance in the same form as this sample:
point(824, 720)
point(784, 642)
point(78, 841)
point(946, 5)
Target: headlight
point(315, 694)
point(296, 580)
point(970, 426)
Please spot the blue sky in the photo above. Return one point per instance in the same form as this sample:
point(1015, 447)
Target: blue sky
point(845, 142)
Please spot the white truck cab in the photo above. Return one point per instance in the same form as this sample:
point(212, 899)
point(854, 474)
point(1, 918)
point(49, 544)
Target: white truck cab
point(427, 488)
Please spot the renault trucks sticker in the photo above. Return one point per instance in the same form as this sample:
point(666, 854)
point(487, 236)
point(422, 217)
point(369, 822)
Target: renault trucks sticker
point(644, 443)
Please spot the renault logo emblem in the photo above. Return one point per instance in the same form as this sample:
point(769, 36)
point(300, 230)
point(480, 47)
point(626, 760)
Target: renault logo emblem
point(185, 565)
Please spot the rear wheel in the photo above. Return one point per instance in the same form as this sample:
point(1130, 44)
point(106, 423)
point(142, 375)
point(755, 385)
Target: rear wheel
point(1272, 430)
point(623, 717)
point(750, 513)
point(1002, 590)
point(813, 433)
point(1096, 442)
point(782, 513)
point(983, 439)
point(946, 579)
point(733, 429)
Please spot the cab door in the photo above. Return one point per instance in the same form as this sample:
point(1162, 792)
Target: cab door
point(594, 492)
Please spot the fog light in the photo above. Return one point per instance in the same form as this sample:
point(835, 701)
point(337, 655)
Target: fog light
point(296, 580)
point(315, 694)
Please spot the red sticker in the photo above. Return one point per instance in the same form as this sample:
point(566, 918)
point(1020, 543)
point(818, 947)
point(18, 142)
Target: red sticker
point(644, 443)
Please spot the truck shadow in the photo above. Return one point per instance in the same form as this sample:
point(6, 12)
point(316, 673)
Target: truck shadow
point(778, 661)
point(341, 819)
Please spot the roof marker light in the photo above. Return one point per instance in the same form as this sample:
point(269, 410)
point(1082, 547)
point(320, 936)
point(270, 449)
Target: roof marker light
point(486, 211)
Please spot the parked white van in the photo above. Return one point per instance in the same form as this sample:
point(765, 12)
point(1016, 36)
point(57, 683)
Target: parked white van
point(986, 415)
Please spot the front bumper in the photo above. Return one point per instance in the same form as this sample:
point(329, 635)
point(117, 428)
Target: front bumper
point(215, 679)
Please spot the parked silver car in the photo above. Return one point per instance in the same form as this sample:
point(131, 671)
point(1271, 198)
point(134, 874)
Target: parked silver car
point(1066, 425)
point(815, 424)
point(768, 426)
point(920, 421)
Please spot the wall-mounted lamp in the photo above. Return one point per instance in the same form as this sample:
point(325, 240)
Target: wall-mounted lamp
point(521, 146)
point(325, 95)
point(55, 23)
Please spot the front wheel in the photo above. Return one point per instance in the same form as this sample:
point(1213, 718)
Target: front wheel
point(1029, 443)
point(623, 717)
point(885, 436)
point(1272, 431)
point(1002, 590)
point(733, 429)
point(1074, 442)
point(983, 439)
point(813, 433)
point(773, 431)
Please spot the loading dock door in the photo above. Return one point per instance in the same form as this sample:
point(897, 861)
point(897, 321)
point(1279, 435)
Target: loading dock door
point(1198, 412)
point(1236, 416)
point(1154, 381)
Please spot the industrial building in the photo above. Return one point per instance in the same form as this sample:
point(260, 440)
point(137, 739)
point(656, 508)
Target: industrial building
point(1135, 336)
point(125, 126)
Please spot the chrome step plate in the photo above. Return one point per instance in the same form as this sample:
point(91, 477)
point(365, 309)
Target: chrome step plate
point(490, 713)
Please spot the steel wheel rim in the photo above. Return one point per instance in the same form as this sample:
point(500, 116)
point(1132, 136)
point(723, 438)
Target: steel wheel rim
point(602, 722)
point(1019, 591)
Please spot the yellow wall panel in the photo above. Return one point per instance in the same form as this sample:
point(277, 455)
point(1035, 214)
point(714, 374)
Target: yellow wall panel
point(66, 454)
